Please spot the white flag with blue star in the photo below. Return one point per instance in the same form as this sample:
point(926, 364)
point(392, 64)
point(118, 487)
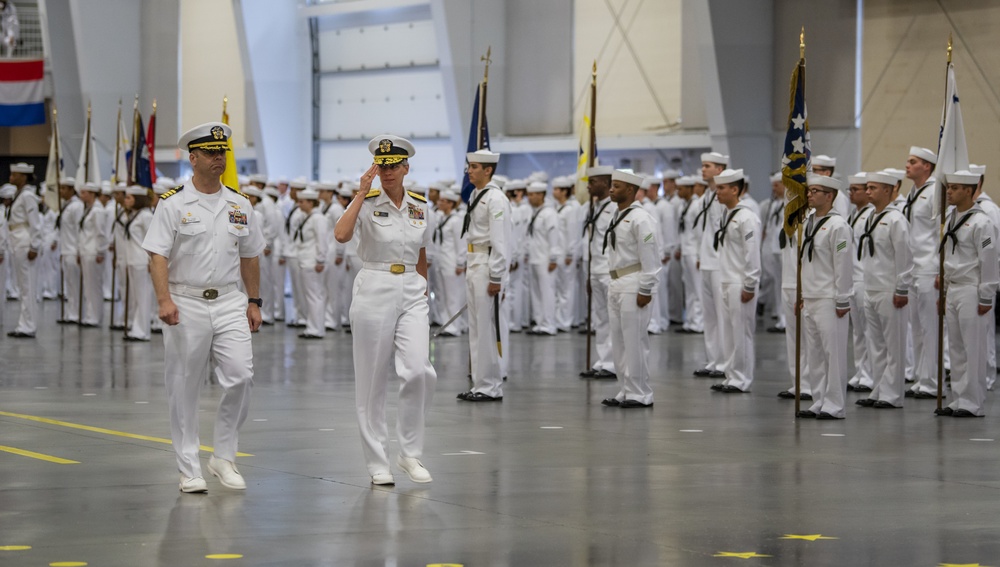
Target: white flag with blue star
point(953, 154)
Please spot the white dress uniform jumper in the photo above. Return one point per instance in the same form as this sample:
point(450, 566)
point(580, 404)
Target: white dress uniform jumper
point(68, 223)
point(862, 361)
point(738, 240)
point(600, 281)
point(24, 228)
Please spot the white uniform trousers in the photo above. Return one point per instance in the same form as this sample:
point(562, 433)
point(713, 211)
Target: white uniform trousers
point(335, 291)
point(351, 269)
point(93, 289)
point(599, 284)
point(487, 373)
point(49, 274)
point(862, 360)
point(279, 274)
point(71, 288)
point(139, 291)
point(297, 313)
point(656, 304)
point(543, 299)
point(969, 335)
point(209, 330)
point(389, 321)
point(314, 300)
point(580, 317)
point(770, 283)
point(662, 293)
point(711, 308)
point(452, 299)
point(825, 339)
point(737, 321)
point(630, 341)
point(923, 326)
point(118, 303)
point(435, 300)
point(675, 290)
point(515, 297)
point(109, 285)
point(4, 271)
point(886, 337)
point(693, 317)
point(566, 284)
point(267, 288)
point(991, 352)
point(788, 309)
point(25, 273)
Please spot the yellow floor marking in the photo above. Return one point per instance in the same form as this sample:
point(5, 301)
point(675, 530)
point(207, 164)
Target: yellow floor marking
point(103, 430)
point(961, 565)
point(68, 564)
point(741, 555)
point(812, 537)
point(39, 456)
point(224, 556)
point(445, 565)
point(14, 547)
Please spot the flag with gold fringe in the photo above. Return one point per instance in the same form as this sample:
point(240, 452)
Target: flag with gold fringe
point(229, 177)
point(795, 160)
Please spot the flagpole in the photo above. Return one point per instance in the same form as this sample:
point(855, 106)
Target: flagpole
point(481, 142)
point(133, 170)
point(114, 181)
point(86, 179)
point(62, 277)
point(941, 286)
point(591, 150)
point(798, 255)
point(118, 143)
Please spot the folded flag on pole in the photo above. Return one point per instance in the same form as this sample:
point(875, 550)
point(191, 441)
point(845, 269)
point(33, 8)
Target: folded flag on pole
point(795, 159)
point(587, 153)
point(953, 154)
point(230, 178)
point(479, 138)
point(138, 156)
point(54, 169)
point(21, 100)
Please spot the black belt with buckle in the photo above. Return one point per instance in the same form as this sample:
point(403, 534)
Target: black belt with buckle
point(210, 294)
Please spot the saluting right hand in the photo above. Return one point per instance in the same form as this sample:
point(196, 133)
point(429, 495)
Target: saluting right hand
point(367, 178)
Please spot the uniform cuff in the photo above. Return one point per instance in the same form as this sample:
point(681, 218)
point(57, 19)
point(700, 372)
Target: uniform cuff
point(902, 292)
point(495, 279)
point(843, 305)
point(986, 301)
point(750, 289)
point(645, 291)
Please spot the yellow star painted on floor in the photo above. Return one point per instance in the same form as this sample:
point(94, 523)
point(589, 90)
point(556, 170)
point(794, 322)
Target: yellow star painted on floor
point(812, 537)
point(741, 555)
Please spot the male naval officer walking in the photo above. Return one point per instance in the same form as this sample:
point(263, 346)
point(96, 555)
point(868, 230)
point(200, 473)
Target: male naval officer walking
point(203, 239)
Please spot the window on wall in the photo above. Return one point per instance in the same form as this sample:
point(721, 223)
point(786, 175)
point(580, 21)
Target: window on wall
point(378, 72)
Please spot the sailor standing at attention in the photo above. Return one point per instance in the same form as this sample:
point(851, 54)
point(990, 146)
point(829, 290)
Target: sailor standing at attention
point(389, 312)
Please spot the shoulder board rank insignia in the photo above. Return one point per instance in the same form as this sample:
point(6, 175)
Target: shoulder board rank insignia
point(373, 193)
point(172, 192)
point(237, 191)
point(417, 196)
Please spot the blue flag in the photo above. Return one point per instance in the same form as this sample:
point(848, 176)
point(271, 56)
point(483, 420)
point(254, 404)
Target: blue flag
point(795, 159)
point(467, 187)
point(138, 168)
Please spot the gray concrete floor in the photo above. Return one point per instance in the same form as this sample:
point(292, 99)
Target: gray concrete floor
point(548, 477)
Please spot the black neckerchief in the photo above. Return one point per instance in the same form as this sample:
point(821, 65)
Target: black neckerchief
point(611, 230)
point(298, 231)
point(687, 205)
point(703, 213)
point(288, 221)
point(857, 216)
point(467, 221)
point(563, 206)
point(531, 225)
point(810, 235)
point(775, 216)
point(953, 228)
point(61, 211)
point(326, 208)
point(592, 221)
point(910, 200)
point(439, 233)
point(118, 214)
point(12, 201)
point(129, 224)
point(720, 235)
point(86, 211)
point(873, 221)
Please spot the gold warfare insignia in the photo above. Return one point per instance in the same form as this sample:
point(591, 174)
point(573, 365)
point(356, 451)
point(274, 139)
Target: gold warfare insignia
point(218, 133)
point(385, 146)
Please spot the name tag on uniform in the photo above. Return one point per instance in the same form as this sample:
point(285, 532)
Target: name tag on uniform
point(189, 219)
point(415, 212)
point(381, 214)
point(237, 217)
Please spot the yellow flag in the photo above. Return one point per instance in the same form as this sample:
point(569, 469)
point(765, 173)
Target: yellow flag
point(229, 177)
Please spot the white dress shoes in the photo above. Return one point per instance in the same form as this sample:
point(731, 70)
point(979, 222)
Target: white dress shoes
point(414, 469)
point(193, 485)
point(227, 473)
point(383, 479)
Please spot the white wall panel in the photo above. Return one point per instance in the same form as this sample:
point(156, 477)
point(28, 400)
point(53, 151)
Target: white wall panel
point(378, 47)
point(433, 160)
point(406, 102)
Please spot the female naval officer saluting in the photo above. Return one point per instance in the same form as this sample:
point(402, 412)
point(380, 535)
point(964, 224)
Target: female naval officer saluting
point(389, 308)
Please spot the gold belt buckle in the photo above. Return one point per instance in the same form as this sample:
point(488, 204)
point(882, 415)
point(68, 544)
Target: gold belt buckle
point(472, 248)
point(397, 268)
point(210, 293)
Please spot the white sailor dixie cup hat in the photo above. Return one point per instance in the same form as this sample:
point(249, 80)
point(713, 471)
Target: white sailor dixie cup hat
point(599, 170)
point(537, 187)
point(962, 178)
point(450, 195)
point(136, 190)
point(715, 157)
point(881, 177)
point(22, 167)
point(729, 176)
point(924, 154)
point(627, 176)
point(831, 183)
point(212, 136)
point(482, 156)
point(388, 149)
point(824, 161)
point(859, 178)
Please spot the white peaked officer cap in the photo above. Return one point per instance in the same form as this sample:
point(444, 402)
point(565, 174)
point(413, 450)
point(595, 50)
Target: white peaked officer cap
point(482, 156)
point(308, 195)
point(963, 177)
point(729, 176)
point(980, 169)
point(924, 154)
point(208, 136)
point(824, 181)
point(22, 167)
point(627, 176)
point(450, 195)
point(715, 157)
point(776, 178)
point(537, 187)
point(685, 181)
point(824, 161)
point(252, 190)
point(859, 178)
point(136, 190)
point(599, 170)
point(881, 177)
point(387, 149)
